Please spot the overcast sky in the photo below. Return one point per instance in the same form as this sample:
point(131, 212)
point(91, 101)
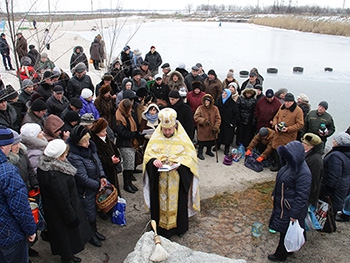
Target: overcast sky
point(85, 5)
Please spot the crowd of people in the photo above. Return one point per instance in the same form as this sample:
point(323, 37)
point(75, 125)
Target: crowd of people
point(75, 136)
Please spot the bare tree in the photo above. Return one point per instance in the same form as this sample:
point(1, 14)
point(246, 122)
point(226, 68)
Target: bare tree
point(189, 8)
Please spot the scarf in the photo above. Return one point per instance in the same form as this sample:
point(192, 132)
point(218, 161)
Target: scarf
point(228, 96)
point(152, 118)
point(53, 164)
point(121, 115)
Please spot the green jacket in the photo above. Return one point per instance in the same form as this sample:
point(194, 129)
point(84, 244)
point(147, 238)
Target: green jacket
point(313, 123)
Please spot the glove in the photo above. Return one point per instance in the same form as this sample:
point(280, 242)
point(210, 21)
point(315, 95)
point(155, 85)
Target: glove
point(74, 223)
point(206, 123)
point(248, 152)
point(260, 159)
point(216, 129)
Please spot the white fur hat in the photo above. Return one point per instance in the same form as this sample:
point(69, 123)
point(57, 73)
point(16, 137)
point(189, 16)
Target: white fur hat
point(55, 148)
point(86, 93)
point(30, 130)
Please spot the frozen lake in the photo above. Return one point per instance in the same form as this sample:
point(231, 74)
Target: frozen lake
point(244, 46)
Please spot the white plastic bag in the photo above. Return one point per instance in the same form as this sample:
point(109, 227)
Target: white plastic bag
point(294, 239)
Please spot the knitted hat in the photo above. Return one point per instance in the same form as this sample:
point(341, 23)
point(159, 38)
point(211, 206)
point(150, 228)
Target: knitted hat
point(136, 72)
point(6, 136)
point(76, 102)
point(38, 105)
point(27, 83)
point(342, 138)
point(11, 93)
point(174, 94)
point(86, 93)
point(263, 132)
point(303, 97)
point(229, 74)
point(324, 104)
point(99, 125)
point(289, 97)
point(87, 119)
point(269, 93)
point(142, 92)
point(80, 67)
point(158, 76)
point(30, 130)
point(144, 63)
point(26, 61)
point(72, 116)
point(16, 137)
point(31, 46)
point(167, 117)
point(253, 73)
point(47, 74)
point(212, 72)
point(105, 89)
point(311, 139)
point(44, 55)
point(77, 133)
point(234, 84)
point(55, 148)
point(182, 65)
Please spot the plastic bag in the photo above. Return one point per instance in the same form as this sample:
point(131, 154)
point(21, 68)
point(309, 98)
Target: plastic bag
point(294, 238)
point(118, 216)
point(311, 222)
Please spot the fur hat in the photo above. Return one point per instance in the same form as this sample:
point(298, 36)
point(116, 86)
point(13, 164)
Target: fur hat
point(303, 97)
point(342, 138)
point(263, 132)
point(324, 104)
point(38, 105)
point(174, 94)
point(289, 97)
point(105, 88)
point(107, 76)
point(86, 93)
point(311, 139)
point(167, 117)
point(99, 125)
point(77, 133)
point(55, 148)
point(80, 67)
point(6, 136)
point(197, 85)
point(31, 130)
point(76, 102)
point(87, 119)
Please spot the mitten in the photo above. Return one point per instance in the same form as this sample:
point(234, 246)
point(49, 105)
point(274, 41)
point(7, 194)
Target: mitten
point(260, 159)
point(248, 152)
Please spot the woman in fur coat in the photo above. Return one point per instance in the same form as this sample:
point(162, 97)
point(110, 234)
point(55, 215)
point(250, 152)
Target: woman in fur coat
point(105, 104)
point(67, 224)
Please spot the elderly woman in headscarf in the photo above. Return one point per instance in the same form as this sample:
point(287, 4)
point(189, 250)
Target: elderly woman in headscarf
point(336, 171)
point(127, 142)
point(229, 116)
point(90, 177)
point(67, 224)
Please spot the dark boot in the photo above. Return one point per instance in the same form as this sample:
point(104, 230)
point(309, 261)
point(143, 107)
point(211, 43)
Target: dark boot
point(276, 159)
point(227, 149)
point(209, 152)
point(200, 152)
point(127, 182)
point(133, 178)
point(95, 241)
point(94, 230)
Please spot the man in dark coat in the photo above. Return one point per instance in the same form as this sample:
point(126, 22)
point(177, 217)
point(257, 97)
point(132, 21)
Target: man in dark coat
point(193, 76)
point(79, 82)
point(77, 57)
point(21, 45)
point(265, 109)
point(291, 194)
point(9, 117)
point(184, 112)
point(5, 52)
point(46, 86)
point(154, 59)
point(34, 55)
point(57, 103)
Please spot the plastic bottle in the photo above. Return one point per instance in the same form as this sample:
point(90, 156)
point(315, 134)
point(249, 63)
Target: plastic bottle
point(241, 150)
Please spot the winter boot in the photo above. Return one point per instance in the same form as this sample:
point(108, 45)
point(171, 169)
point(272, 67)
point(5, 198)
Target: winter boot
point(130, 175)
point(227, 149)
point(276, 160)
point(94, 230)
point(209, 152)
point(200, 152)
point(126, 179)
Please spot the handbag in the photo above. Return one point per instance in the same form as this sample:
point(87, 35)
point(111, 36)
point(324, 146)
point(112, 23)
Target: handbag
point(294, 238)
point(139, 155)
point(321, 212)
point(329, 225)
point(251, 163)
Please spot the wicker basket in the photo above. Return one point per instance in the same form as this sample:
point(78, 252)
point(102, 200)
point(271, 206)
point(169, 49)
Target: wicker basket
point(108, 203)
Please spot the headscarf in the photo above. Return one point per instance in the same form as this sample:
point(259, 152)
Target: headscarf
point(228, 96)
point(122, 114)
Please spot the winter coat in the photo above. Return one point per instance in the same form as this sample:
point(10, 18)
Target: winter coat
point(106, 108)
point(208, 120)
point(89, 173)
point(118, 76)
point(30, 117)
point(66, 221)
point(161, 91)
point(137, 61)
point(76, 85)
point(184, 116)
point(96, 51)
point(45, 90)
point(4, 47)
point(226, 82)
point(246, 107)
point(16, 218)
point(113, 85)
point(21, 47)
point(127, 63)
point(52, 124)
point(245, 83)
point(28, 72)
point(10, 118)
point(194, 101)
point(34, 55)
point(336, 175)
point(190, 78)
point(78, 57)
point(294, 120)
point(154, 59)
point(265, 111)
point(292, 188)
point(313, 123)
point(213, 87)
point(55, 106)
point(138, 85)
point(229, 117)
point(313, 159)
point(178, 84)
point(265, 141)
point(26, 171)
point(89, 107)
point(35, 148)
point(305, 107)
point(146, 74)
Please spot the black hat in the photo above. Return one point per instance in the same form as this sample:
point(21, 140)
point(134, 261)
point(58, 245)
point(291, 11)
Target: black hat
point(197, 85)
point(174, 94)
point(258, 86)
point(3, 95)
point(165, 65)
point(129, 94)
point(136, 72)
point(77, 133)
point(47, 74)
point(212, 72)
point(289, 97)
point(72, 116)
point(31, 46)
point(76, 102)
point(199, 65)
point(253, 73)
point(11, 93)
point(269, 93)
point(324, 104)
point(142, 92)
point(2, 35)
point(38, 105)
point(145, 63)
point(58, 89)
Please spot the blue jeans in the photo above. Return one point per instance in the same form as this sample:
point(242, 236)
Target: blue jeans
point(15, 253)
point(346, 208)
point(6, 60)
